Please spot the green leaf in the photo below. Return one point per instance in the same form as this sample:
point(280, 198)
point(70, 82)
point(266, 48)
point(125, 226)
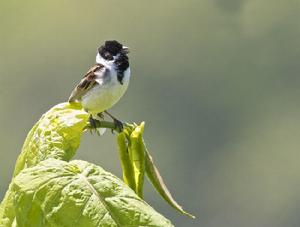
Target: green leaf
point(132, 156)
point(47, 190)
point(157, 181)
point(56, 135)
point(127, 167)
point(77, 193)
point(136, 160)
point(137, 155)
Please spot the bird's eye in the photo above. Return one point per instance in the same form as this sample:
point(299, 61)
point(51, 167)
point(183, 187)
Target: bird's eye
point(108, 56)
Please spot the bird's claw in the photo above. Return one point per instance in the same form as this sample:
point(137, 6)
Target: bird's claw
point(101, 115)
point(93, 126)
point(118, 126)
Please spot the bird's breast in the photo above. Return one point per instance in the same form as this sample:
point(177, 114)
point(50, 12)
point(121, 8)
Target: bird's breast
point(103, 97)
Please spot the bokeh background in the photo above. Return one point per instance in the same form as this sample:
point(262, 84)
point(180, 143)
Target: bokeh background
point(217, 83)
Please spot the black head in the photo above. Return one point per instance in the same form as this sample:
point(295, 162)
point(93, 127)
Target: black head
point(114, 51)
point(112, 48)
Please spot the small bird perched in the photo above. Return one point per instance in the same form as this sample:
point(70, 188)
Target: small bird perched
point(105, 82)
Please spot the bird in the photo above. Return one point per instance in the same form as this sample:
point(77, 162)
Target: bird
point(104, 83)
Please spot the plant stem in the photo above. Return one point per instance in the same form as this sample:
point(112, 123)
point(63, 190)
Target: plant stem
point(105, 124)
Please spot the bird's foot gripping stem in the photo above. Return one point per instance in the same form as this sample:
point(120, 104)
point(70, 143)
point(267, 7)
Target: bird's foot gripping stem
point(93, 125)
point(118, 124)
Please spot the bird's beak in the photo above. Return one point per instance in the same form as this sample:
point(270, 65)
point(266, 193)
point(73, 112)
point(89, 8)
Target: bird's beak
point(125, 50)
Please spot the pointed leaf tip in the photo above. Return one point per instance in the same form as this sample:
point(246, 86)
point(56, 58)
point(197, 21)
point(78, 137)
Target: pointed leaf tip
point(158, 183)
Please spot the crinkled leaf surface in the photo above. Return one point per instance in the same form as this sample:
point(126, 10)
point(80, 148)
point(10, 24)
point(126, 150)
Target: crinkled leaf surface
point(77, 193)
point(56, 135)
point(47, 190)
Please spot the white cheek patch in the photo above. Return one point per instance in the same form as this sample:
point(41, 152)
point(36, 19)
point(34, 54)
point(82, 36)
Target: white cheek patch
point(101, 60)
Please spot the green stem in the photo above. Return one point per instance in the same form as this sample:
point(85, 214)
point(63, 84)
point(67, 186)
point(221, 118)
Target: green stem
point(105, 124)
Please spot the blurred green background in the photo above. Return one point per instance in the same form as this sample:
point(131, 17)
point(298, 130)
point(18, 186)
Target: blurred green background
point(217, 83)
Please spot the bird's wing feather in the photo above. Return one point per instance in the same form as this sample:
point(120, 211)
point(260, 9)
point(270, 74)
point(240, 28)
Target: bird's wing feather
point(90, 79)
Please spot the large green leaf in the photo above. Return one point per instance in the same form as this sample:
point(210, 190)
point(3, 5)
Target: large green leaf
point(47, 190)
point(56, 135)
point(77, 193)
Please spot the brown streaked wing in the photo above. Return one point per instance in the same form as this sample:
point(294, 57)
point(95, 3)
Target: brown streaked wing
point(88, 81)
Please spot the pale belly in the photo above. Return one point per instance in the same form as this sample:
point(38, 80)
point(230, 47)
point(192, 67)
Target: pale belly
point(101, 97)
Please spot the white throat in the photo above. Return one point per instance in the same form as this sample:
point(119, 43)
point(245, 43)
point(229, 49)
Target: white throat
point(101, 60)
point(110, 65)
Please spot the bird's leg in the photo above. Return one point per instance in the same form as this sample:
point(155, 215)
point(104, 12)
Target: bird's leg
point(118, 124)
point(101, 115)
point(92, 122)
point(93, 125)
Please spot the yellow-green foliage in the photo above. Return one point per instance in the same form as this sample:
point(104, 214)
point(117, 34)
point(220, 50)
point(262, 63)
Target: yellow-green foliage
point(49, 190)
